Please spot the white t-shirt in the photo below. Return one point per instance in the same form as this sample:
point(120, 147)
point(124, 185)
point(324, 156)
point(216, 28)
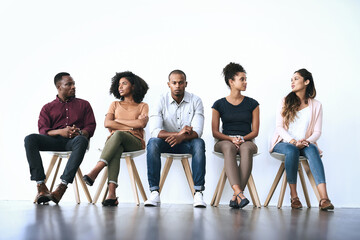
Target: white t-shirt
point(297, 128)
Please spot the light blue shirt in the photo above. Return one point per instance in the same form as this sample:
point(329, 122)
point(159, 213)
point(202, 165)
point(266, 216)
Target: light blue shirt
point(169, 116)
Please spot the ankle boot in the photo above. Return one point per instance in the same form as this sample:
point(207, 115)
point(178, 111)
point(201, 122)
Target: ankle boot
point(58, 193)
point(43, 195)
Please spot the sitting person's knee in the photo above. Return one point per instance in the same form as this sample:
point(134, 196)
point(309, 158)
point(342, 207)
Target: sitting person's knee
point(81, 140)
point(30, 138)
point(198, 143)
point(154, 143)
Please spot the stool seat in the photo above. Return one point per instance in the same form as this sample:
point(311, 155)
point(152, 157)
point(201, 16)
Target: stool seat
point(221, 183)
point(303, 162)
point(184, 157)
point(60, 154)
point(176, 156)
point(281, 157)
point(221, 155)
point(133, 173)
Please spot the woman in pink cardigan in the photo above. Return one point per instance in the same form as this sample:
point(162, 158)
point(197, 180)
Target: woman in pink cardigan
point(298, 127)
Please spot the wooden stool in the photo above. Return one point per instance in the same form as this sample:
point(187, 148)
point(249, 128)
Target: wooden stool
point(185, 163)
point(59, 156)
point(281, 172)
point(134, 177)
point(221, 183)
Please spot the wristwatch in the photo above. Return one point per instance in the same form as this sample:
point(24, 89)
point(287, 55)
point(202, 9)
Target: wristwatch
point(80, 132)
point(242, 138)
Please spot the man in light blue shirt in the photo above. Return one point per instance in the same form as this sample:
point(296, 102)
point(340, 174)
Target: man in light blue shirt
point(176, 125)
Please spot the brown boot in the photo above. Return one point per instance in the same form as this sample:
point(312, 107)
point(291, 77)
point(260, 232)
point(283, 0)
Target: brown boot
point(43, 195)
point(295, 203)
point(58, 193)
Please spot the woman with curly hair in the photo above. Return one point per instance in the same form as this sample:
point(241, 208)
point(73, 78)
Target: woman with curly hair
point(126, 120)
point(240, 117)
point(298, 127)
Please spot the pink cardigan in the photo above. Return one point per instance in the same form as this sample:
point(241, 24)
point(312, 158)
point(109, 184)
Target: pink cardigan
point(313, 131)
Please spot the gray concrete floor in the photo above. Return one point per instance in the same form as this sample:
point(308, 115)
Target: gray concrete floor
point(25, 220)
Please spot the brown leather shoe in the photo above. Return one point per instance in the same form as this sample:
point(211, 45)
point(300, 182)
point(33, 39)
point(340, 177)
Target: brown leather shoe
point(43, 195)
point(295, 203)
point(58, 193)
point(325, 204)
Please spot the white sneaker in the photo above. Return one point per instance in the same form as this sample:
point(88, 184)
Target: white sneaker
point(154, 200)
point(198, 200)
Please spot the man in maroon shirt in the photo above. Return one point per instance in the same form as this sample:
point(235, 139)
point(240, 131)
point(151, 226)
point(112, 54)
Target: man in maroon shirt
point(65, 124)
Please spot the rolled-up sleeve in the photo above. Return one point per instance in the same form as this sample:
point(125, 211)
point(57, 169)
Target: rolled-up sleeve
point(198, 119)
point(156, 119)
point(89, 120)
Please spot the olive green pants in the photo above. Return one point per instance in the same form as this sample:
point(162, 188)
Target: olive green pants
point(118, 143)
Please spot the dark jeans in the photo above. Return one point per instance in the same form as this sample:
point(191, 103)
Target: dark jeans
point(195, 147)
point(37, 142)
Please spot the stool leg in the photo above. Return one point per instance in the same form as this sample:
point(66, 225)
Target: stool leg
point(55, 175)
point(83, 185)
point(101, 185)
point(306, 166)
point(221, 188)
point(302, 180)
point(216, 190)
point(76, 191)
point(165, 172)
point(186, 166)
point(275, 183)
point(132, 179)
point(253, 193)
point(282, 191)
point(51, 166)
point(138, 180)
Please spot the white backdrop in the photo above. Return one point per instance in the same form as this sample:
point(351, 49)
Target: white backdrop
point(93, 40)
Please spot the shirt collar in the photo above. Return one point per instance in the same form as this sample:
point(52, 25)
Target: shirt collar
point(185, 99)
point(69, 100)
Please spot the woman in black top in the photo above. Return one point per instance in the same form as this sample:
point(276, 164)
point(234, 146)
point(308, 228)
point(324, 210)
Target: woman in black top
point(240, 125)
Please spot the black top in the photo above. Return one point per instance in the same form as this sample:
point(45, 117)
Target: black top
point(236, 120)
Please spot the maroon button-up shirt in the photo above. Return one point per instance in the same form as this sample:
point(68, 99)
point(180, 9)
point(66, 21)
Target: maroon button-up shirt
point(58, 114)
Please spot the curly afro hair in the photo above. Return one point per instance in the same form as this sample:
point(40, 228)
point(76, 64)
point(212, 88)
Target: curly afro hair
point(231, 70)
point(140, 87)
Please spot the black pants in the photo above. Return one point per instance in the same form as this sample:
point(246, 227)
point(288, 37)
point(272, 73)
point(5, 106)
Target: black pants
point(37, 142)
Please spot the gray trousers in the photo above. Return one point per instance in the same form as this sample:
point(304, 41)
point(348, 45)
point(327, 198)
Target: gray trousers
point(237, 175)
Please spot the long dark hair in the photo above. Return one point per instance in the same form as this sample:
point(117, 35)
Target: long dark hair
point(140, 87)
point(293, 102)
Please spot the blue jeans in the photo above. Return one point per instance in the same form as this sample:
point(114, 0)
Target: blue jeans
point(37, 142)
point(292, 154)
point(195, 147)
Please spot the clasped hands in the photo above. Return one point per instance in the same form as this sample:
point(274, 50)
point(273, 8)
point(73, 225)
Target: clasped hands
point(177, 138)
point(237, 141)
point(70, 132)
point(300, 144)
